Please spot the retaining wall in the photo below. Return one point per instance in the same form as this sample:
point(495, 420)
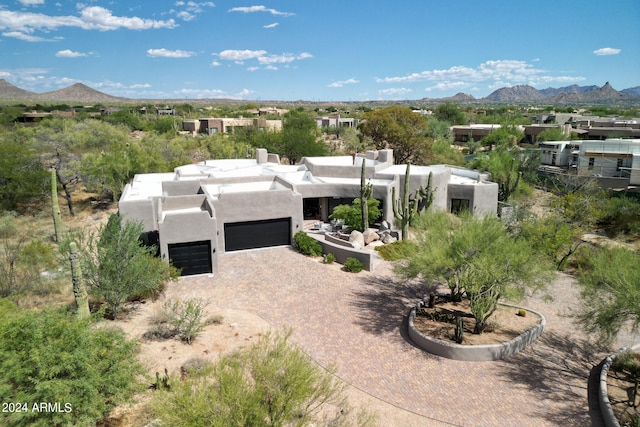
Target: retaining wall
point(483, 352)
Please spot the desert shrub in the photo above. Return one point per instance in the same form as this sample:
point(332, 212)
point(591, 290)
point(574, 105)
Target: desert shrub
point(397, 250)
point(352, 214)
point(50, 356)
point(186, 317)
point(271, 383)
point(306, 244)
point(329, 258)
point(353, 265)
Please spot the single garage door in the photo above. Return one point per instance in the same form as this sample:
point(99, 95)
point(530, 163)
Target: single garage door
point(257, 234)
point(191, 257)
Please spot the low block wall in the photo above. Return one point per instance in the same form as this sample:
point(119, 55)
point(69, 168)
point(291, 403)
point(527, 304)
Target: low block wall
point(608, 416)
point(484, 352)
point(368, 258)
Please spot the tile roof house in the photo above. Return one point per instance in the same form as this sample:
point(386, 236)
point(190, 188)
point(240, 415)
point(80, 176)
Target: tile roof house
point(202, 210)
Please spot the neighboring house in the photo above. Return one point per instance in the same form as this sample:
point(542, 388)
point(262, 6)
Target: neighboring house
point(202, 210)
point(466, 133)
point(615, 161)
point(211, 125)
point(560, 153)
point(34, 116)
point(531, 132)
point(335, 122)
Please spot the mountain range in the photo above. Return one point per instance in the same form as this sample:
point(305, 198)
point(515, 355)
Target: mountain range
point(569, 95)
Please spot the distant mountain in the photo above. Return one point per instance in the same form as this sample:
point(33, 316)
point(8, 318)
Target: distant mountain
point(77, 93)
point(604, 94)
point(519, 93)
point(459, 97)
point(635, 91)
point(550, 91)
point(9, 92)
point(566, 95)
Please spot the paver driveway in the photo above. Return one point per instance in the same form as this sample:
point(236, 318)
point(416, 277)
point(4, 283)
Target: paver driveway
point(357, 322)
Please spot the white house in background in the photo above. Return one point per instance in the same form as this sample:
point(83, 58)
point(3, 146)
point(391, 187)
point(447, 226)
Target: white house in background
point(613, 160)
point(201, 210)
point(560, 153)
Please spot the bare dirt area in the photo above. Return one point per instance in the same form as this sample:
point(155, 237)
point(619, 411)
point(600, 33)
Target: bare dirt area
point(620, 390)
point(504, 325)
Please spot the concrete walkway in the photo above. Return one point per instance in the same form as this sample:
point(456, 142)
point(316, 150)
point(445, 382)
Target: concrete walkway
point(357, 322)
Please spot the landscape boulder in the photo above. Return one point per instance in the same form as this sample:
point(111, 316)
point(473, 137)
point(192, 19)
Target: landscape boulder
point(356, 236)
point(370, 235)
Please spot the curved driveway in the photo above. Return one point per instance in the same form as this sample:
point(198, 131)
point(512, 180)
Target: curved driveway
point(357, 322)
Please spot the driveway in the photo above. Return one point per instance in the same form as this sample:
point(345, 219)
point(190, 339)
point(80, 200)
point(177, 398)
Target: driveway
point(357, 323)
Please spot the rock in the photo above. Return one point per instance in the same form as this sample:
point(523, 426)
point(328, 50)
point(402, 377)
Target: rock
point(356, 245)
point(356, 236)
point(389, 239)
point(372, 246)
point(369, 236)
point(384, 225)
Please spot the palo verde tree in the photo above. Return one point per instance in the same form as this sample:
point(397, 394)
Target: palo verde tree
point(477, 258)
point(504, 169)
point(299, 137)
point(400, 129)
point(610, 292)
point(115, 265)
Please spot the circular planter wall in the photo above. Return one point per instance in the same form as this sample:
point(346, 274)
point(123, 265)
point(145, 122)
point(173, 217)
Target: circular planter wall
point(484, 352)
point(609, 418)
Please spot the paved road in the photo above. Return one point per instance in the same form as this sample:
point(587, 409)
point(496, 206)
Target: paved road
point(357, 322)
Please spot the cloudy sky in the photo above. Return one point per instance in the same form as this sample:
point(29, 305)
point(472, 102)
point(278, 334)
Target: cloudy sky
point(332, 50)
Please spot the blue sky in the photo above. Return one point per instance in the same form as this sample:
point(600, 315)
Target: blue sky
point(333, 50)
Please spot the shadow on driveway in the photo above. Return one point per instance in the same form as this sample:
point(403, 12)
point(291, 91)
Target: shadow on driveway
point(558, 368)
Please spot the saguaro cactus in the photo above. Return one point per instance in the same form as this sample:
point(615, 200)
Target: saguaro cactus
point(366, 190)
point(404, 210)
point(424, 195)
point(57, 220)
point(79, 291)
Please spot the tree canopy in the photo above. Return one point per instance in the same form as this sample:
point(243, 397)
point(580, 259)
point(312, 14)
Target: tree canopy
point(400, 129)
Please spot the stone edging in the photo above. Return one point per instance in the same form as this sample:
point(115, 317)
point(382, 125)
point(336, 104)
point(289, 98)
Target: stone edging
point(482, 352)
point(608, 417)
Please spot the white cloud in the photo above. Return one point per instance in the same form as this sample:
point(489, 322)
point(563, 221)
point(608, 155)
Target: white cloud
point(215, 64)
point(283, 58)
point(191, 9)
point(607, 51)
point(90, 18)
point(275, 24)
point(24, 37)
point(500, 71)
point(212, 93)
point(395, 91)
point(165, 53)
point(253, 9)
point(241, 55)
point(447, 86)
point(31, 2)
point(67, 53)
point(341, 83)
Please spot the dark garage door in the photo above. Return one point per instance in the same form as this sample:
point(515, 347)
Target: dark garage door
point(191, 257)
point(257, 234)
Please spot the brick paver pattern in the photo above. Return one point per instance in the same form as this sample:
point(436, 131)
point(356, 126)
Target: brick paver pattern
point(357, 323)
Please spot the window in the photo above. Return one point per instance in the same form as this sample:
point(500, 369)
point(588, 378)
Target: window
point(619, 164)
point(553, 159)
point(459, 205)
point(592, 161)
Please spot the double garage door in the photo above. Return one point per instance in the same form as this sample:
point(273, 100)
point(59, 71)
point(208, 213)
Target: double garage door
point(257, 234)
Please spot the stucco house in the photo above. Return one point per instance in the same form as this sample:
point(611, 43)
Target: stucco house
point(200, 211)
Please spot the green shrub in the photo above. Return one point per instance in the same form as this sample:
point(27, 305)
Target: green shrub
point(352, 214)
point(186, 317)
point(329, 259)
point(271, 383)
point(397, 250)
point(353, 265)
point(51, 357)
point(306, 244)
